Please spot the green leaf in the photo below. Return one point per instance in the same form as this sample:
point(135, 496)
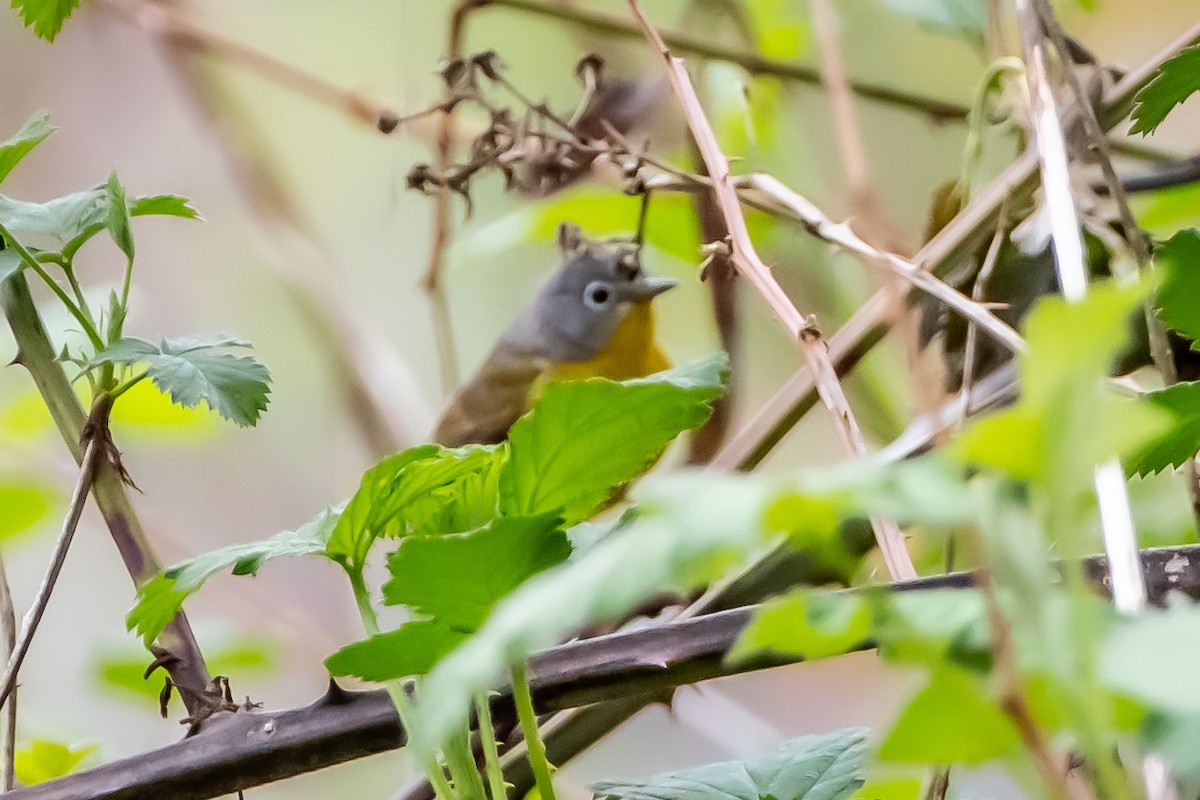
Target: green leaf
point(930, 490)
point(1152, 657)
point(167, 205)
point(412, 491)
point(806, 624)
point(781, 30)
point(75, 218)
point(1164, 212)
point(23, 505)
point(457, 578)
point(42, 760)
point(951, 721)
point(932, 627)
point(1178, 299)
point(691, 529)
point(117, 219)
point(10, 261)
point(1068, 419)
point(1174, 737)
point(16, 147)
point(1173, 82)
point(236, 387)
point(77, 215)
point(161, 597)
point(965, 20)
point(46, 17)
point(411, 649)
point(1182, 440)
point(828, 766)
point(890, 789)
point(585, 438)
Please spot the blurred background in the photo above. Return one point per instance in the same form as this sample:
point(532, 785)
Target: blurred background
point(341, 241)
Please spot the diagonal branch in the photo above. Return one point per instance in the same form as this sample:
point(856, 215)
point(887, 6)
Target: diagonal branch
point(37, 354)
point(745, 258)
point(83, 485)
point(866, 328)
point(242, 750)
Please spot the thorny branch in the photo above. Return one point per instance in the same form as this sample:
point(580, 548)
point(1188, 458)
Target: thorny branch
point(243, 750)
point(802, 330)
point(37, 355)
point(92, 453)
point(866, 328)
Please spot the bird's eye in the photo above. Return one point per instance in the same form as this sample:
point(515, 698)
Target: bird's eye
point(597, 295)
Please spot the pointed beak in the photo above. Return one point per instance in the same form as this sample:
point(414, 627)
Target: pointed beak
point(644, 289)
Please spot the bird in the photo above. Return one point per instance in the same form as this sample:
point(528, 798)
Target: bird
point(592, 318)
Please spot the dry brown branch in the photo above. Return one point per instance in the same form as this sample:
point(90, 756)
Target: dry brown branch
point(844, 236)
point(801, 330)
point(443, 330)
point(956, 240)
point(92, 454)
point(979, 295)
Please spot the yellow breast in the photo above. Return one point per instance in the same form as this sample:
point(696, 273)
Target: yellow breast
point(632, 353)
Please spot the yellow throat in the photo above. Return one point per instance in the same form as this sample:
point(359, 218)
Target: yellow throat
point(632, 353)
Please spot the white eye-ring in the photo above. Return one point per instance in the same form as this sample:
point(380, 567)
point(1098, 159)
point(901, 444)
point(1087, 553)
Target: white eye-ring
point(597, 295)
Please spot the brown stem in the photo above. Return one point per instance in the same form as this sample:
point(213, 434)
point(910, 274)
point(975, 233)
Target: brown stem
point(801, 329)
point(37, 354)
point(92, 454)
point(601, 22)
point(443, 330)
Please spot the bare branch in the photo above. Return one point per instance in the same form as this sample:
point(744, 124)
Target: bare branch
point(36, 354)
point(87, 470)
point(802, 330)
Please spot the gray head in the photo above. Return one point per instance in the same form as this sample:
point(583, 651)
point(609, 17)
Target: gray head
point(578, 309)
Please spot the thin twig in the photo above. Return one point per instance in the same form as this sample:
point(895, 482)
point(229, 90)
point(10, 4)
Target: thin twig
point(443, 330)
point(87, 470)
point(8, 729)
point(1116, 515)
point(36, 353)
point(978, 294)
point(867, 326)
point(844, 236)
point(802, 330)
point(600, 22)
